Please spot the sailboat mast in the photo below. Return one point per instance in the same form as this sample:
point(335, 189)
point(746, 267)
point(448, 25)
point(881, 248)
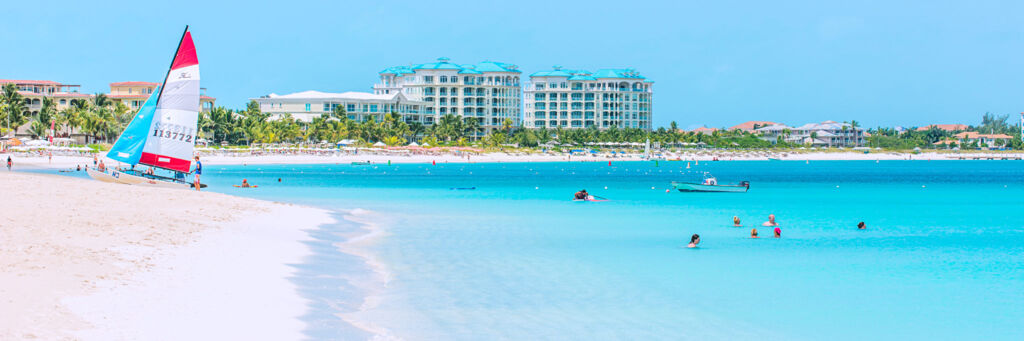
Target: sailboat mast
point(169, 68)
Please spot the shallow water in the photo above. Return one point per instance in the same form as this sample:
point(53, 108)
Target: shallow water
point(942, 258)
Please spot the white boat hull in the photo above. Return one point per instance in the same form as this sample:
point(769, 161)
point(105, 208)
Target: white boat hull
point(114, 176)
point(691, 187)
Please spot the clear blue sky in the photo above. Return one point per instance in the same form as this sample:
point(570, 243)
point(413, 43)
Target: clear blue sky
point(714, 62)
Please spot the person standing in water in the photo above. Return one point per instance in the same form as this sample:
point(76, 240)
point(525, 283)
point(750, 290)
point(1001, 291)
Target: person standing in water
point(861, 226)
point(694, 240)
point(778, 232)
point(199, 171)
point(736, 221)
point(753, 233)
point(771, 221)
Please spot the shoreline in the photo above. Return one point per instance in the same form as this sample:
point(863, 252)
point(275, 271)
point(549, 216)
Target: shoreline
point(69, 162)
point(198, 265)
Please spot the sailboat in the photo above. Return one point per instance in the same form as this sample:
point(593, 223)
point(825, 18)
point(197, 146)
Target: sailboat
point(162, 134)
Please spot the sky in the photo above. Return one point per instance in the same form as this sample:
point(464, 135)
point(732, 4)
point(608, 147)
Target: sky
point(714, 63)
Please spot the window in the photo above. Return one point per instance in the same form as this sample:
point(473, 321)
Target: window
point(444, 92)
point(444, 79)
point(564, 96)
point(563, 85)
point(538, 97)
point(540, 105)
point(539, 86)
point(540, 114)
point(577, 97)
point(63, 101)
point(577, 86)
point(350, 107)
point(307, 106)
point(428, 79)
point(589, 97)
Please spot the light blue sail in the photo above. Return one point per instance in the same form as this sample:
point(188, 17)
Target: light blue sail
point(128, 147)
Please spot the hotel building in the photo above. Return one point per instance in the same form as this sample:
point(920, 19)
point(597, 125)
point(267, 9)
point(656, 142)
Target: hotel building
point(580, 99)
point(359, 106)
point(134, 94)
point(35, 90)
point(488, 91)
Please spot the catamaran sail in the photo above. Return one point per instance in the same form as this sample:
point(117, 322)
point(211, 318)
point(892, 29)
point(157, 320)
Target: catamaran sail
point(171, 138)
point(128, 147)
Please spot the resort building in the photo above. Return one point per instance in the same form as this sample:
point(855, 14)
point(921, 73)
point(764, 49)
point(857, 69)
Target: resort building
point(359, 106)
point(134, 94)
point(581, 99)
point(35, 90)
point(751, 126)
point(488, 91)
point(945, 127)
point(825, 134)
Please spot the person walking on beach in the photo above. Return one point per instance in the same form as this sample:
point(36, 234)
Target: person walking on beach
point(694, 240)
point(9, 163)
point(199, 171)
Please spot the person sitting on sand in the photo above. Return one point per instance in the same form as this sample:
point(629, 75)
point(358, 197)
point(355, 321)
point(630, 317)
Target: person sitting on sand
point(861, 226)
point(778, 232)
point(694, 240)
point(582, 195)
point(771, 221)
point(736, 221)
point(753, 233)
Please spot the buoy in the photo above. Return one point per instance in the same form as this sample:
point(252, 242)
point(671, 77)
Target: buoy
point(434, 162)
point(652, 187)
point(922, 186)
point(536, 188)
point(609, 162)
point(389, 162)
point(837, 186)
point(605, 187)
point(667, 191)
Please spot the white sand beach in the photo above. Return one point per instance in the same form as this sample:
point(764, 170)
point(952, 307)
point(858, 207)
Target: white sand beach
point(88, 260)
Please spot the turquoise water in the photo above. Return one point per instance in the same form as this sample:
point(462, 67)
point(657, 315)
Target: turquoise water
point(942, 257)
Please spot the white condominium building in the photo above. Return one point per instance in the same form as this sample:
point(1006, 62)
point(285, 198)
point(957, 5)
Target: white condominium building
point(488, 91)
point(581, 99)
point(359, 106)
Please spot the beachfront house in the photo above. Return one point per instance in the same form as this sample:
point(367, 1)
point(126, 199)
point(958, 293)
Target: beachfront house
point(752, 126)
point(359, 106)
point(579, 99)
point(824, 134)
point(982, 140)
point(945, 127)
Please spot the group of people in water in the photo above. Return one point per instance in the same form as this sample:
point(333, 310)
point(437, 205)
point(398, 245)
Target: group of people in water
point(695, 238)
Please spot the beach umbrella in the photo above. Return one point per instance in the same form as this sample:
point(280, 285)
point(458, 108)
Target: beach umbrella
point(414, 144)
point(379, 144)
point(425, 145)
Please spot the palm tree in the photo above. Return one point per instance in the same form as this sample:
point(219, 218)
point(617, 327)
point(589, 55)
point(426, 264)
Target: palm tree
point(506, 125)
point(471, 125)
point(14, 107)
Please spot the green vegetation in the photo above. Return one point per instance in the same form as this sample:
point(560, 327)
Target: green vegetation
point(102, 120)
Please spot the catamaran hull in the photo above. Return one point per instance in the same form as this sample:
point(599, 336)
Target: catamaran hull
point(689, 187)
point(114, 176)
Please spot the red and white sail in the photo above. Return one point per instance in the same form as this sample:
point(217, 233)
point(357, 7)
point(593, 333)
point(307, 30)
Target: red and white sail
point(172, 135)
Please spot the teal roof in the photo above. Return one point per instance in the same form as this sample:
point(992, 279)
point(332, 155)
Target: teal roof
point(618, 73)
point(557, 71)
point(444, 64)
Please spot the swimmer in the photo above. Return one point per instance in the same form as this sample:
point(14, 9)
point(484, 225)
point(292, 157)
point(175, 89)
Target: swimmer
point(778, 232)
point(736, 221)
point(861, 226)
point(694, 240)
point(771, 221)
point(278, 179)
point(753, 233)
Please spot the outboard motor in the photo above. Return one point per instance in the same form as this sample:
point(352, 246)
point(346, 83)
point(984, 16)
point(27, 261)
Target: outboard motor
point(745, 184)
